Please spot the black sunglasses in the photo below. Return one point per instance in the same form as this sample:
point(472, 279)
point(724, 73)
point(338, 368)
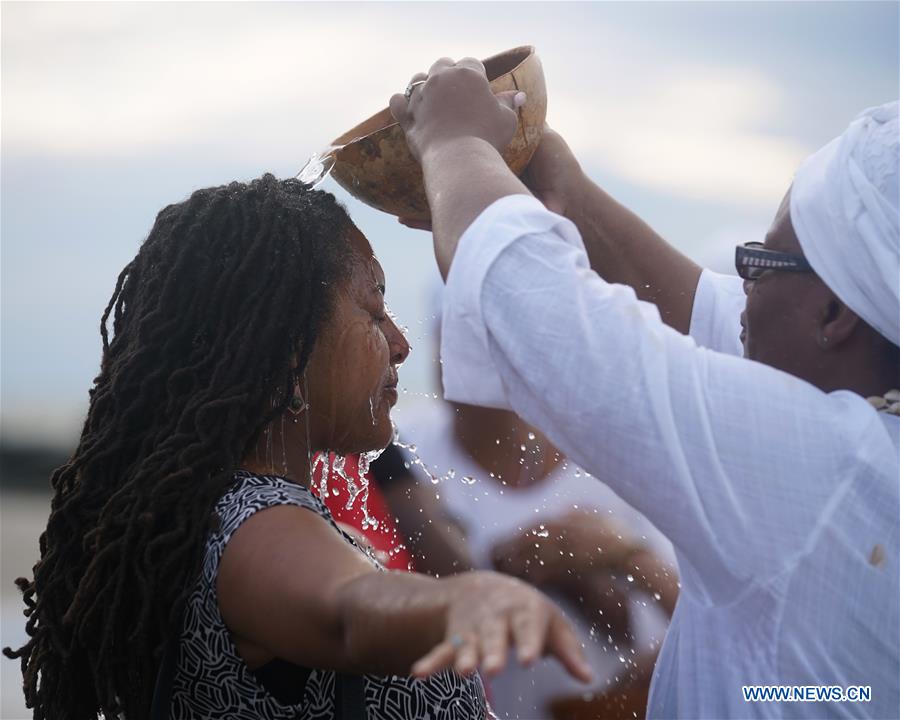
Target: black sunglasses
point(752, 259)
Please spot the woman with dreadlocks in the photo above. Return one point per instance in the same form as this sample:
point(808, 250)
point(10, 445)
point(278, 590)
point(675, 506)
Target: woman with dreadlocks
point(249, 333)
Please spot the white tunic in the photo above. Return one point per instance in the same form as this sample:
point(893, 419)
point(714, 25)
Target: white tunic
point(781, 501)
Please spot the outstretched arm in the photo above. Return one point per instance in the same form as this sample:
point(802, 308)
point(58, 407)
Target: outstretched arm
point(289, 587)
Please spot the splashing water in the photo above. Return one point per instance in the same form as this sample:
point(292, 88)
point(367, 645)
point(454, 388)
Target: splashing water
point(366, 459)
point(434, 478)
point(321, 463)
point(317, 168)
point(354, 489)
point(403, 329)
point(357, 487)
point(320, 165)
point(411, 449)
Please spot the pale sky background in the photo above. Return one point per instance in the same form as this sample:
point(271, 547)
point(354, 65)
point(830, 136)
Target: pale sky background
point(695, 115)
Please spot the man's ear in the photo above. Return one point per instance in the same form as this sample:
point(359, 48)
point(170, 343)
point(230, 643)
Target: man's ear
point(837, 324)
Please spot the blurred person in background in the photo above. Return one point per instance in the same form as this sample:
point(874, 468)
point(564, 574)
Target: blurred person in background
point(508, 500)
point(186, 569)
point(775, 475)
point(554, 527)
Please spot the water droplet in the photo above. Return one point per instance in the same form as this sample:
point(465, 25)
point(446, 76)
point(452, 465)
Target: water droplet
point(629, 578)
point(531, 436)
point(522, 448)
point(657, 596)
point(469, 480)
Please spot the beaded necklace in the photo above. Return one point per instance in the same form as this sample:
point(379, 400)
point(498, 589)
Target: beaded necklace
point(888, 403)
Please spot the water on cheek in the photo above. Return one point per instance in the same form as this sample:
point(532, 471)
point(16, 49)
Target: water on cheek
point(359, 368)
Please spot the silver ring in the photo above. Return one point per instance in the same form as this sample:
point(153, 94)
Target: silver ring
point(457, 641)
point(411, 87)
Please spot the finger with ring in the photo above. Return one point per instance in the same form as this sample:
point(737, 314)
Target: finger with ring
point(412, 86)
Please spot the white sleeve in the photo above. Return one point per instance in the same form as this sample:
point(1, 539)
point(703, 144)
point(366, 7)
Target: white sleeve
point(716, 315)
point(735, 462)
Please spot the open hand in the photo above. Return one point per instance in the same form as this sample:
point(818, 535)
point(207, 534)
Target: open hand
point(487, 613)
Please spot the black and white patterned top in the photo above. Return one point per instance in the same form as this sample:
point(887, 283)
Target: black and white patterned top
point(212, 681)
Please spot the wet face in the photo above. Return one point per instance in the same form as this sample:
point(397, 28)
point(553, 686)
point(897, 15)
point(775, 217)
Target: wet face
point(352, 372)
point(783, 314)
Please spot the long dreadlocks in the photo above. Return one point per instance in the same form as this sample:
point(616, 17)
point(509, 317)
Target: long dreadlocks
point(211, 320)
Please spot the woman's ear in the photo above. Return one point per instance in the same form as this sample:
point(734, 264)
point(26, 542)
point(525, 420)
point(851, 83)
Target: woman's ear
point(837, 324)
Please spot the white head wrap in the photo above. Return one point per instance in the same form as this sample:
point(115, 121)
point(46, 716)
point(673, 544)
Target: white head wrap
point(845, 209)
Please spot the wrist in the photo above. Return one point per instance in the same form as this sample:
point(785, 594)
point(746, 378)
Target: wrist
point(439, 150)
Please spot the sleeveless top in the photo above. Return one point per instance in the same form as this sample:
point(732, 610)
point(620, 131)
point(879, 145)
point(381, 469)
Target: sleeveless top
point(211, 680)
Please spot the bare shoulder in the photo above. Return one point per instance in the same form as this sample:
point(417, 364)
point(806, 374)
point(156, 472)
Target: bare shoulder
point(277, 584)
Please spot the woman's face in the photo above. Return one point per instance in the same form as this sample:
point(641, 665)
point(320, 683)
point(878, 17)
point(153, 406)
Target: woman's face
point(352, 371)
point(783, 310)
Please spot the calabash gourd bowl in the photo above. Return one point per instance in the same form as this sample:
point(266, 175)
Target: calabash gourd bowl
point(373, 163)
